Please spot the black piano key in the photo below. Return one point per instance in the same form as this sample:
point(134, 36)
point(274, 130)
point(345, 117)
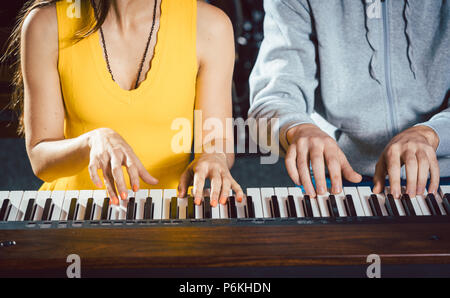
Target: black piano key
point(29, 211)
point(206, 207)
point(105, 209)
point(47, 207)
point(334, 209)
point(4, 209)
point(250, 207)
point(375, 205)
point(191, 208)
point(307, 206)
point(407, 205)
point(291, 203)
point(72, 209)
point(390, 206)
point(88, 211)
point(445, 203)
point(130, 208)
point(275, 207)
point(173, 208)
point(148, 206)
point(232, 204)
point(432, 204)
point(351, 211)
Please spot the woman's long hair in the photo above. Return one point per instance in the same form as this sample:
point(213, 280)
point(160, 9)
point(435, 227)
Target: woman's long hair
point(12, 53)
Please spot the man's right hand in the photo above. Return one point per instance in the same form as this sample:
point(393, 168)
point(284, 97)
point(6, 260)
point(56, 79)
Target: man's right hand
point(310, 145)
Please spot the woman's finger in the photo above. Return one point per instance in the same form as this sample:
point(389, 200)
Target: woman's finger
point(133, 175)
point(226, 186)
point(185, 181)
point(93, 173)
point(198, 185)
point(109, 183)
point(117, 172)
point(216, 186)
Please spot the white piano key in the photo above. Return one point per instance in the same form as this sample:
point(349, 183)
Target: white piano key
point(423, 205)
point(282, 194)
point(296, 192)
point(83, 198)
point(315, 207)
point(223, 211)
point(340, 204)
point(57, 204)
point(266, 197)
point(198, 211)
point(15, 198)
point(99, 196)
point(41, 199)
point(29, 194)
point(157, 201)
point(140, 198)
point(123, 206)
point(364, 195)
point(68, 196)
point(323, 206)
point(257, 202)
point(182, 206)
point(167, 196)
point(353, 191)
point(444, 189)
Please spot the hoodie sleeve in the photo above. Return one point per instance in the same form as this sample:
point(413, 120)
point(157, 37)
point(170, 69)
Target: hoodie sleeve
point(284, 79)
point(440, 123)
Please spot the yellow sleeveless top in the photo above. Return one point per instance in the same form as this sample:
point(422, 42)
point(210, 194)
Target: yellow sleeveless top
point(143, 116)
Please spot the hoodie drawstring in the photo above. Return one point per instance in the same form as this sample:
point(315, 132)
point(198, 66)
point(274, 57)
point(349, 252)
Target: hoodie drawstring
point(410, 52)
point(369, 38)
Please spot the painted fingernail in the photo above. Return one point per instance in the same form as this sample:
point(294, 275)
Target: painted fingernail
point(135, 188)
point(239, 199)
point(123, 195)
point(214, 203)
point(223, 200)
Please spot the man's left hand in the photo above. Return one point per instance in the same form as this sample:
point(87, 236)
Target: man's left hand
point(416, 149)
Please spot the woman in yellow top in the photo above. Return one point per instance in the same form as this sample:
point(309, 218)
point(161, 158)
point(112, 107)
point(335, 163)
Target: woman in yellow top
point(105, 84)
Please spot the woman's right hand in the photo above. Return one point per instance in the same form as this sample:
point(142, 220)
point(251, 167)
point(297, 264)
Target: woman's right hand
point(109, 152)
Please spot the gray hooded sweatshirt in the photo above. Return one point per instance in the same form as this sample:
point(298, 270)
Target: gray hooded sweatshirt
point(371, 68)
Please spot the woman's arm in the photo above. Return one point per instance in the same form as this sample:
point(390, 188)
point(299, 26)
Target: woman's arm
point(215, 52)
point(51, 155)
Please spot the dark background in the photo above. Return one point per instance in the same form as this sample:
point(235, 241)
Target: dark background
point(247, 18)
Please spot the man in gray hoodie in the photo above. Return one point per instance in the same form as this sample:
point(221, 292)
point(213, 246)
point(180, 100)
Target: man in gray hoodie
point(379, 71)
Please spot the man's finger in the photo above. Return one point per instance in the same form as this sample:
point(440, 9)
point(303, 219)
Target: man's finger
point(291, 164)
point(379, 177)
point(411, 168)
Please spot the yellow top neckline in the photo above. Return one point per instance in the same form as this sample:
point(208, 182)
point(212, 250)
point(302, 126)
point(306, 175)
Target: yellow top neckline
point(105, 77)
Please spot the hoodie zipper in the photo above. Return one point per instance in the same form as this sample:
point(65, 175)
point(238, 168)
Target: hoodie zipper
point(387, 67)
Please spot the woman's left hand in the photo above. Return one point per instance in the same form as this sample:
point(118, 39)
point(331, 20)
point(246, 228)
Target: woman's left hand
point(214, 167)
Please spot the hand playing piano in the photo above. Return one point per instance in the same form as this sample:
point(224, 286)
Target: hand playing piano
point(310, 145)
point(109, 152)
point(212, 166)
point(416, 149)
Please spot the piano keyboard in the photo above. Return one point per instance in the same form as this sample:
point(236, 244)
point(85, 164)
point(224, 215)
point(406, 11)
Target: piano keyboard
point(260, 203)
